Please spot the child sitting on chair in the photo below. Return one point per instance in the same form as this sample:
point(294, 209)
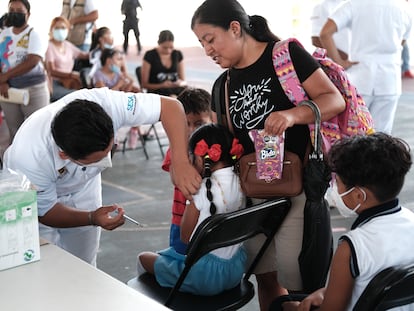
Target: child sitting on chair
point(197, 108)
point(214, 151)
point(370, 172)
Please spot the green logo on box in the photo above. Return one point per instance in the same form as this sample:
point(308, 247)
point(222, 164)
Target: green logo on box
point(29, 255)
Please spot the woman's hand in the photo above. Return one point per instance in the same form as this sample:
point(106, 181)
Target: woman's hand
point(4, 90)
point(277, 122)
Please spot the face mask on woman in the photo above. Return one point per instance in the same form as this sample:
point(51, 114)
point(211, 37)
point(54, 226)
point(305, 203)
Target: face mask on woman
point(16, 19)
point(334, 198)
point(60, 34)
point(115, 68)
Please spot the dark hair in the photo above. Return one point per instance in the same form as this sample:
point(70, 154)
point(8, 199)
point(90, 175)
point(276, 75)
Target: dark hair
point(96, 35)
point(378, 162)
point(81, 128)
point(195, 100)
point(213, 134)
point(25, 3)
point(165, 36)
point(221, 13)
point(108, 53)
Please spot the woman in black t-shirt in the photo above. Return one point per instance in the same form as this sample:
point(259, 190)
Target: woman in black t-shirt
point(243, 44)
point(163, 68)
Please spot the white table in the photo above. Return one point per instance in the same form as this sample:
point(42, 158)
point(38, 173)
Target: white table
point(63, 282)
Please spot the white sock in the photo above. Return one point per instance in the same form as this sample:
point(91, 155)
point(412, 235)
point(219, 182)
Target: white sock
point(140, 267)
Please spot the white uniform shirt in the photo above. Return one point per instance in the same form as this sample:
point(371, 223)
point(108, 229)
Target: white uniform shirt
point(379, 242)
point(320, 16)
point(35, 153)
point(377, 30)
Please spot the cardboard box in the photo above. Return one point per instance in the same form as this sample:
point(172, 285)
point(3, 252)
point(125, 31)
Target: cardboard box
point(19, 229)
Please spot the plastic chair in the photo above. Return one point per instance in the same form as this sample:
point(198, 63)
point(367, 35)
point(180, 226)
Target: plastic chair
point(214, 232)
point(390, 288)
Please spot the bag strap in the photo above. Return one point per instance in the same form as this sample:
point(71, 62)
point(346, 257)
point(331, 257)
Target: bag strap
point(223, 79)
point(227, 100)
point(317, 141)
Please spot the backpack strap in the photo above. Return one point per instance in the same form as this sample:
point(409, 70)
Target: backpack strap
point(286, 72)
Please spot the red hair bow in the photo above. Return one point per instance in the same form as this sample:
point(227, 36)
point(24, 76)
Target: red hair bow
point(236, 149)
point(202, 149)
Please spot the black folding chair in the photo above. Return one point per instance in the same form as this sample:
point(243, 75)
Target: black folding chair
point(152, 128)
point(390, 288)
point(219, 231)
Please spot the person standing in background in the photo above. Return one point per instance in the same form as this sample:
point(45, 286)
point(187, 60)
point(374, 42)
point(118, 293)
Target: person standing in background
point(378, 31)
point(21, 63)
point(405, 66)
point(319, 17)
point(405, 58)
point(129, 9)
point(82, 15)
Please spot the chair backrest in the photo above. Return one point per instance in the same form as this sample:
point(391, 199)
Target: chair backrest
point(222, 230)
point(85, 78)
point(390, 288)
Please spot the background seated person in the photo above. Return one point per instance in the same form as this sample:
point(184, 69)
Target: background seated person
point(60, 59)
point(163, 68)
point(110, 75)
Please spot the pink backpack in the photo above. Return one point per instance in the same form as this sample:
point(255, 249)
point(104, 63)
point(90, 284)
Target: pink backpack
point(354, 120)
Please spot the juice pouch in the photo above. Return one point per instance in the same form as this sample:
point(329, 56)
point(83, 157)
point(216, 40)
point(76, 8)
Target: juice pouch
point(269, 154)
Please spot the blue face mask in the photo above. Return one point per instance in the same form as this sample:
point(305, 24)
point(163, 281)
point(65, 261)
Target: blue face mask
point(108, 46)
point(115, 68)
point(60, 34)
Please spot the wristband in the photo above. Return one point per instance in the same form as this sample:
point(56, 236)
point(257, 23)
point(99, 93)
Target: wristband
point(91, 220)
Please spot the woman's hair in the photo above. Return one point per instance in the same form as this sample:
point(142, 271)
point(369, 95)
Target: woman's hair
point(82, 127)
point(58, 19)
point(378, 162)
point(98, 34)
point(165, 36)
point(25, 3)
point(221, 13)
point(213, 134)
point(195, 100)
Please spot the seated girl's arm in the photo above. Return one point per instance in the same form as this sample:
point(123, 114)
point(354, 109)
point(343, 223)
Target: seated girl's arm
point(188, 222)
point(181, 74)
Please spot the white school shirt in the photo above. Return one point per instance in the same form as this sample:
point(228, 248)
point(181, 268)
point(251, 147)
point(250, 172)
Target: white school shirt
point(227, 197)
point(320, 16)
point(35, 153)
point(381, 240)
point(377, 30)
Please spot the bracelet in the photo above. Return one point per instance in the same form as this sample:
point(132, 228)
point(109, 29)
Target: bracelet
point(90, 217)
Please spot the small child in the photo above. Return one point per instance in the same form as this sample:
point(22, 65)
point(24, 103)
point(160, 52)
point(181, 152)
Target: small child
point(197, 108)
point(370, 172)
point(214, 150)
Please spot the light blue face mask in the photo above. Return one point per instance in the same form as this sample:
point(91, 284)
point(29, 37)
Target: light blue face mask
point(115, 68)
point(60, 34)
point(108, 46)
